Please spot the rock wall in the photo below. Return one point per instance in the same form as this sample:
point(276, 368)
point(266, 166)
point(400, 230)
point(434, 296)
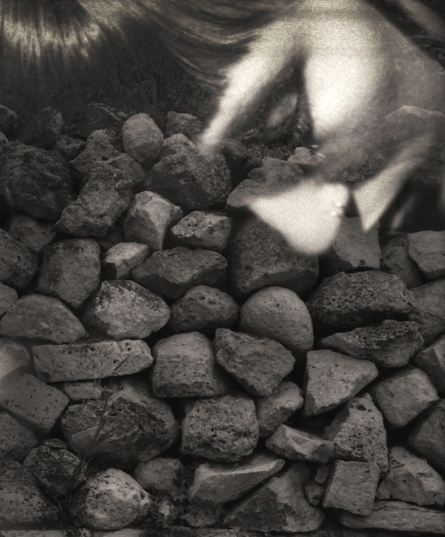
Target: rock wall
point(170, 367)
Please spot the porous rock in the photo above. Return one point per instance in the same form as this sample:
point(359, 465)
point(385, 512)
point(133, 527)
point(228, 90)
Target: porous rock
point(95, 116)
point(42, 129)
point(395, 260)
point(432, 360)
point(427, 249)
point(8, 297)
point(142, 138)
point(161, 475)
point(429, 302)
point(16, 440)
point(122, 258)
point(203, 229)
point(186, 124)
point(17, 264)
point(30, 232)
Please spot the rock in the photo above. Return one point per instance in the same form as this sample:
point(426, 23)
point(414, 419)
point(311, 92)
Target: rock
point(70, 270)
point(172, 273)
point(17, 264)
point(34, 181)
point(260, 257)
point(411, 479)
point(274, 409)
point(129, 427)
point(427, 249)
point(95, 116)
point(202, 516)
point(305, 157)
point(204, 309)
point(122, 258)
point(388, 344)
point(359, 433)
point(258, 364)
point(82, 361)
point(14, 358)
point(429, 302)
point(133, 171)
point(31, 401)
point(175, 144)
point(31, 233)
point(221, 429)
point(42, 318)
point(69, 147)
point(186, 124)
point(142, 138)
point(160, 475)
point(43, 129)
point(280, 314)
point(83, 390)
point(185, 366)
point(203, 229)
point(352, 487)
point(428, 436)
point(124, 309)
point(397, 516)
point(395, 260)
point(279, 505)
point(57, 470)
point(432, 361)
point(21, 501)
point(220, 483)
point(404, 395)
point(8, 120)
point(148, 218)
point(353, 248)
point(114, 236)
point(345, 301)
point(16, 441)
point(295, 444)
point(332, 378)
point(111, 500)
point(8, 297)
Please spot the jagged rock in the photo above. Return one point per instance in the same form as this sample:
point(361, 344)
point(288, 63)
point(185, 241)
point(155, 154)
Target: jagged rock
point(359, 434)
point(203, 229)
point(185, 366)
point(432, 361)
point(274, 409)
point(31, 233)
point(16, 441)
point(353, 248)
point(404, 395)
point(221, 429)
point(17, 264)
point(429, 302)
point(186, 124)
point(43, 318)
point(395, 259)
point(111, 500)
point(428, 436)
point(352, 487)
point(411, 479)
point(57, 470)
point(122, 258)
point(69, 147)
point(260, 257)
point(220, 483)
point(160, 475)
point(238, 159)
point(332, 378)
point(70, 270)
point(32, 401)
point(280, 314)
point(8, 120)
point(313, 492)
point(204, 309)
point(124, 309)
point(258, 364)
point(176, 143)
point(427, 249)
point(34, 181)
point(95, 116)
point(388, 344)
point(148, 218)
point(82, 390)
point(142, 138)
point(346, 300)
point(21, 501)
point(133, 171)
point(82, 361)
point(129, 427)
point(172, 273)
point(98, 148)
point(279, 505)
point(8, 297)
point(305, 157)
point(43, 129)
point(397, 516)
point(300, 445)
point(202, 516)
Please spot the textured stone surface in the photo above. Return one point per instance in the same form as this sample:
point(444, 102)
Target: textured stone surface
point(395, 259)
point(427, 249)
point(142, 138)
point(42, 129)
point(14, 357)
point(95, 116)
point(429, 311)
point(30, 232)
point(122, 258)
point(203, 229)
point(8, 297)
point(16, 441)
point(333, 378)
point(8, 120)
point(69, 147)
point(82, 390)
point(186, 124)
point(161, 474)
point(258, 364)
point(17, 264)
point(432, 361)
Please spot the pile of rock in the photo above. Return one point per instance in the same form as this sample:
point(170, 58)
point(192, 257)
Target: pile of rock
point(169, 362)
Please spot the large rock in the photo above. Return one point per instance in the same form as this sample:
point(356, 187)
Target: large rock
point(396, 260)
point(429, 302)
point(186, 124)
point(122, 258)
point(16, 441)
point(427, 249)
point(30, 232)
point(17, 264)
point(432, 361)
point(161, 474)
point(203, 229)
point(42, 129)
point(142, 138)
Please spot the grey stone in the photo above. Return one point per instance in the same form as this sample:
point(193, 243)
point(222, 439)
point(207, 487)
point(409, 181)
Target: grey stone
point(332, 378)
point(16, 440)
point(30, 232)
point(82, 390)
point(258, 364)
point(280, 314)
point(122, 258)
point(17, 264)
point(133, 171)
point(124, 309)
point(429, 311)
point(42, 129)
point(404, 395)
point(427, 249)
point(8, 120)
point(388, 344)
point(215, 483)
point(185, 366)
point(8, 297)
point(395, 260)
point(114, 236)
point(95, 116)
point(69, 147)
point(176, 143)
point(202, 516)
point(432, 361)
point(14, 357)
point(186, 124)
point(305, 157)
point(142, 138)
point(98, 148)
point(203, 229)
point(172, 273)
point(223, 429)
point(162, 475)
point(42, 318)
point(83, 361)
